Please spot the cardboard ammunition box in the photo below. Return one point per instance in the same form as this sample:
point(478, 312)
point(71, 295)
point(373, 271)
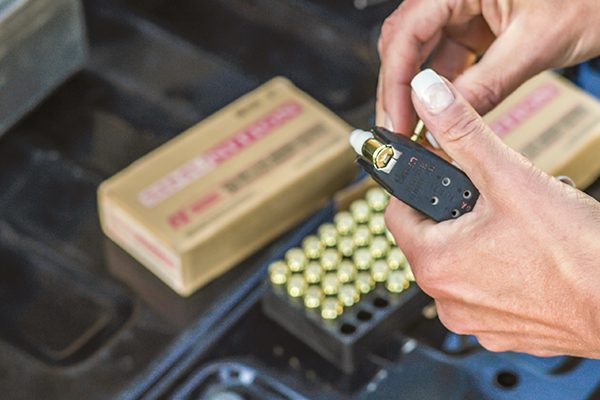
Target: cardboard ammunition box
point(207, 199)
point(554, 124)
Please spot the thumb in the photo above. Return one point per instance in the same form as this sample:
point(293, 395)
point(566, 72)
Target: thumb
point(499, 72)
point(460, 131)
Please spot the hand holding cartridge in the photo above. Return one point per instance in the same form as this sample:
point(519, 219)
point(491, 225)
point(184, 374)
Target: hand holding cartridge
point(518, 39)
point(521, 270)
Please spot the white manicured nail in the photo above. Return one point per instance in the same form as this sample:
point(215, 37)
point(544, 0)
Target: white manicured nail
point(432, 91)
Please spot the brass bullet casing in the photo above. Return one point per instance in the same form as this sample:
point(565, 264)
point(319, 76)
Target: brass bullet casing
point(278, 272)
point(364, 282)
point(408, 272)
point(361, 236)
point(331, 308)
point(296, 259)
point(346, 271)
point(377, 224)
point(296, 286)
point(330, 259)
point(328, 235)
point(396, 259)
point(396, 281)
point(378, 153)
point(418, 134)
point(330, 284)
point(360, 211)
point(377, 199)
point(379, 247)
point(379, 271)
point(313, 297)
point(346, 246)
point(344, 223)
point(348, 294)
point(313, 272)
point(390, 237)
point(362, 259)
point(312, 246)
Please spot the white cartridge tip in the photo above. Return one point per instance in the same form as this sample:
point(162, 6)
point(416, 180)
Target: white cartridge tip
point(357, 138)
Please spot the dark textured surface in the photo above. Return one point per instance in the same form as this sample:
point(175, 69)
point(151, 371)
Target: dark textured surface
point(79, 317)
point(43, 43)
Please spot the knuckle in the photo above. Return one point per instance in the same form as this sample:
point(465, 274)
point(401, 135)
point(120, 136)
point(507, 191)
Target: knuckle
point(429, 267)
point(463, 125)
point(451, 323)
point(484, 95)
point(428, 274)
point(388, 29)
point(405, 235)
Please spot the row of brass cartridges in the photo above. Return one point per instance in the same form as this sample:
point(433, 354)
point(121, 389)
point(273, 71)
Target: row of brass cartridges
point(346, 271)
point(346, 223)
point(301, 259)
point(361, 210)
point(345, 234)
point(320, 247)
point(344, 286)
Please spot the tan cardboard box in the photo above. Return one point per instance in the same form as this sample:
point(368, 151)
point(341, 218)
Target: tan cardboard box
point(207, 199)
point(554, 124)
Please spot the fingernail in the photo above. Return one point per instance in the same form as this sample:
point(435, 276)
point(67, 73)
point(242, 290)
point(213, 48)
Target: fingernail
point(388, 124)
point(432, 91)
point(432, 140)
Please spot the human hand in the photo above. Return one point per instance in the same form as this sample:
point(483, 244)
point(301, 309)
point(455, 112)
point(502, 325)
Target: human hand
point(519, 38)
point(522, 270)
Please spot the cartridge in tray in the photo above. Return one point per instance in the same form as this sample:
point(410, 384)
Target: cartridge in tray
point(355, 289)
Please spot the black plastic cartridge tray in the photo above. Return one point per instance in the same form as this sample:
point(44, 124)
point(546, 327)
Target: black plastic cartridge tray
point(359, 330)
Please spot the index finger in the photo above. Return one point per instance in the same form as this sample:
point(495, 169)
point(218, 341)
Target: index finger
point(407, 37)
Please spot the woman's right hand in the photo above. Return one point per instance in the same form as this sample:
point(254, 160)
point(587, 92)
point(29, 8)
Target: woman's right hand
point(520, 38)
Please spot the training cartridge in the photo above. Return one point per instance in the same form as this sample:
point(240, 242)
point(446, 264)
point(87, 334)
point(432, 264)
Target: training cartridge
point(413, 174)
point(346, 288)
